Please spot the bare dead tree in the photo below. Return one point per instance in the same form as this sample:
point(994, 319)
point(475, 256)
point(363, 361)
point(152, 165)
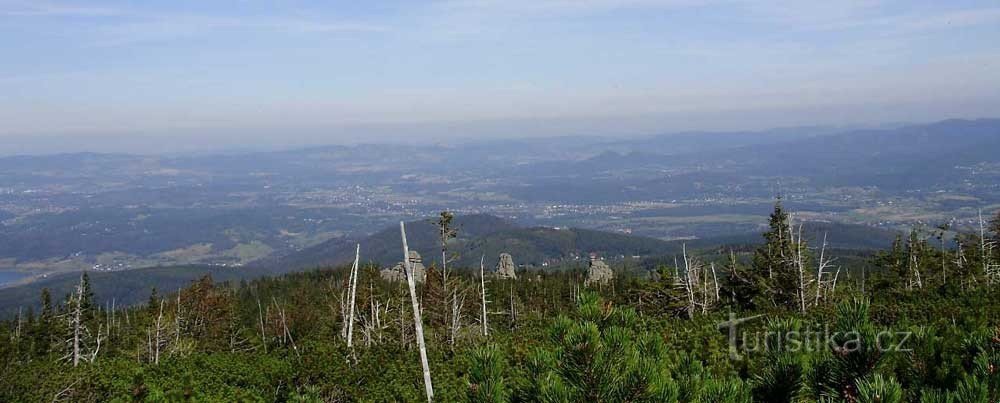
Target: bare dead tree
point(944, 256)
point(113, 321)
point(158, 340)
point(798, 260)
point(403, 339)
point(990, 270)
point(458, 302)
point(260, 317)
point(715, 279)
point(960, 262)
point(482, 292)
point(237, 341)
point(286, 335)
point(864, 270)
point(372, 325)
point(76, 326)
point(833, 287)
point(417, 320)
point(513, 308)
point(913, 267)
point(690, 280)
point(704, 293)
point(16, 336)
point(177, 320)
point(445, 233)
point(97, 348)
point(354, 292)
point(343, 302)
point(824, 285)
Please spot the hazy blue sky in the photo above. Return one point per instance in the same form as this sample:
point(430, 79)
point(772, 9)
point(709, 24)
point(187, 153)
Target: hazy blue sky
point(141, 74)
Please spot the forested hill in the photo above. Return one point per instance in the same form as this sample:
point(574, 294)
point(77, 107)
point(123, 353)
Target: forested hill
point(527, 245)
point(487, 236)
point(124, 288)
point(478, 236)
point(384, 247)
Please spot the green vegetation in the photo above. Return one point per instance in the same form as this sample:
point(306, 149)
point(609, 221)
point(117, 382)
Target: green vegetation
point(920, 324)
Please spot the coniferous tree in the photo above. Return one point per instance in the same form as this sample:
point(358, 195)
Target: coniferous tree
point(445, 233)
point(434, 299)
point(87, 298)
point(893, 265)
point(44, 327)
point(153, 304)
point(774, 262)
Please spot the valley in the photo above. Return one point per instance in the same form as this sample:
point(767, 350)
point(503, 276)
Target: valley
point(114, 212)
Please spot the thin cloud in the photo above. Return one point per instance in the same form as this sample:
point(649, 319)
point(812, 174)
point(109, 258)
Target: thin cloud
point(955, 19)
point(46, 9)
point(563, 6)
point(171, 27)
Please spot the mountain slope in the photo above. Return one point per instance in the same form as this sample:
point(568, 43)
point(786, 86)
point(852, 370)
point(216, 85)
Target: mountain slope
point(384, 246)
point(479, 236)
point(125, 287)
point(485, 235)
point(909, 156)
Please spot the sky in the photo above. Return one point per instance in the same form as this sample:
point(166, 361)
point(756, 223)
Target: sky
point(152, 76)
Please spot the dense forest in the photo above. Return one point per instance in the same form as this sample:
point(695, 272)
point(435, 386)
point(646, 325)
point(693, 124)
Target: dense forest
point(780, 321)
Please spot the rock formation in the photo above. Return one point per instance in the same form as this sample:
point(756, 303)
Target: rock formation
point(598, 272)
point(505, 267)
point(398, 272)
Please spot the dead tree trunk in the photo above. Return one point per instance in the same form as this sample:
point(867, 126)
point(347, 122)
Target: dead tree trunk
point(76, 322)
point(417, 320)
point(482, 289)
point(260, 317)
point(799, 264)
point(688, 282)
point(991, 271)
point(456, 316)
point(159, 332)
point(715, 279)
point(286, 335)
point(354, 292)
point(823, 264)
point(16, 337)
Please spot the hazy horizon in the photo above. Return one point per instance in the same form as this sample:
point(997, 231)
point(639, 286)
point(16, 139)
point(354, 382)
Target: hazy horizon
point(191, 76)
point(229, 141)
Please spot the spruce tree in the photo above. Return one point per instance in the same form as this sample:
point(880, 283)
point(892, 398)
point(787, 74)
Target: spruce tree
point(893, 265)
point(773, 261)
point(153, 305)
point(44, 327)
point(87, 298)
point(434, 299)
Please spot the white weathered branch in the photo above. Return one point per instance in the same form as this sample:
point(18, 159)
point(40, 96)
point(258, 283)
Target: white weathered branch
point(417, 320)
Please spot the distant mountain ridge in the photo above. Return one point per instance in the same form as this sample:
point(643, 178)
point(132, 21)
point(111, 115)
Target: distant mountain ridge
point(929, 153)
